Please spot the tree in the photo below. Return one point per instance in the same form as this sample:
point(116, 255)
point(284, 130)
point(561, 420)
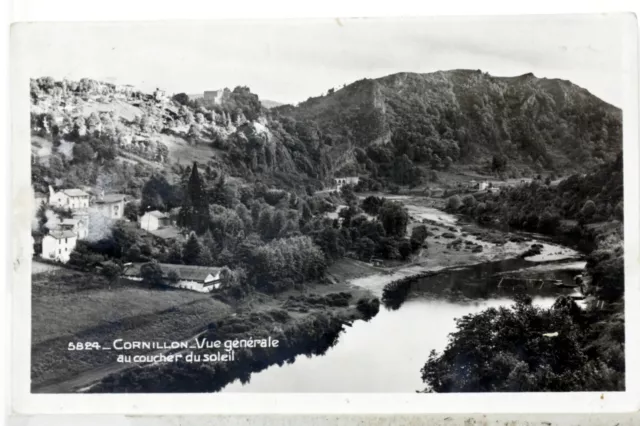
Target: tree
point(191, 254)
point(548, 222)
point(205, 258)
point(195, 133)
point(111, 271)
point(173, 276)
point(502, 350)
point(175, 253)
point(588, 209)
point(131, 210)
point(394, 218)
point(372, 204)
point(181, 98)
point(404, 248)
point(499, 163)
point(194, 213)
point(83, 153)
point(454, 203)
point(151, 273)
point(348, 195)
point(469, 201)
point(418, 235)
point(158, 194)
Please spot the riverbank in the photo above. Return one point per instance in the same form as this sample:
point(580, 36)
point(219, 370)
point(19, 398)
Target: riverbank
point(71, 306)
point(451, 242)
point(304, 325)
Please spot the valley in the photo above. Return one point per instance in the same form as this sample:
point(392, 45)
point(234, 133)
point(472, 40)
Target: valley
point(412, 198)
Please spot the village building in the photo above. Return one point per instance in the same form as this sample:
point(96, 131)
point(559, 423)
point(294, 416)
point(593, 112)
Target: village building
point(197, 278)
point(216, 96)
point(154, 220)
point(58, 244)
point(340, 182)
point(79, 225)
point(73, 198)
point(480, 186)
point(110, 205)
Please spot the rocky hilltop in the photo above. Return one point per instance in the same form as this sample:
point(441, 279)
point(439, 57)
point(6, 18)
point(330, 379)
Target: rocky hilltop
point(467, 117)
point(401, 129)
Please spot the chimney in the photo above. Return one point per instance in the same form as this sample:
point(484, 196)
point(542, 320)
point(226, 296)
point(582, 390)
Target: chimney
point(51, 191)
point(102, 195)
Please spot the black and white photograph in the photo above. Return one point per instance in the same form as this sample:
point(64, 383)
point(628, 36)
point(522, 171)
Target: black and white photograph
point(398, 205)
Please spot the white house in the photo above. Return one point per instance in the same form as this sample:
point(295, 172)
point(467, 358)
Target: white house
point(480, 186)
point(203, 279)
point(73, 198)
point(154, 220)
point(58, 245)
point(110, 205)
point(340, 182)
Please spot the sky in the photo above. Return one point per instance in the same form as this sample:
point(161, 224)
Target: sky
point(289, 61)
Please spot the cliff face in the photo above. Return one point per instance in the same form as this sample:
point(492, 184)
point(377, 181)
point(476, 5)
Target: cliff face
point(468, 116)
point(391, 128)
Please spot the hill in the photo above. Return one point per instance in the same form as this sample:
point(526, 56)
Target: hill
point(464, 117)
point(400, 129)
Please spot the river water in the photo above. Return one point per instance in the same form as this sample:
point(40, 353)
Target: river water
point(387, 353)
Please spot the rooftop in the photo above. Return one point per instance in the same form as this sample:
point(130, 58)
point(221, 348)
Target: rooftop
point(110, 198)
point(75, 192)
point(158, 214)
point(185, 272)
point(58, 235)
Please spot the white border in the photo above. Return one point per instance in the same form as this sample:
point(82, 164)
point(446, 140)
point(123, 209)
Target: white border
point(137, 404)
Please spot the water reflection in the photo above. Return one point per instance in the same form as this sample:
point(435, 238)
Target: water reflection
point(503, 279)
point(387, 353)
point(383, 355)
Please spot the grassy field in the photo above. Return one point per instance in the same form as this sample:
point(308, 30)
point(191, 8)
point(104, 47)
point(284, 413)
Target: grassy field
point(70, 306)
point(183, 153)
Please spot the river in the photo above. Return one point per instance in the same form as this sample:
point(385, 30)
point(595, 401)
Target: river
point(387, 353)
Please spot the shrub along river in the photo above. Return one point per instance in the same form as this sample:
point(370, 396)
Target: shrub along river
point(387, 353)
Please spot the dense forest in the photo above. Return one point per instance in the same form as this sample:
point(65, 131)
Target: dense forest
point(564, 348)
point(382, 126)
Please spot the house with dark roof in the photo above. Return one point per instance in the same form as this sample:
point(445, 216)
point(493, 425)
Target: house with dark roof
point(198, 278)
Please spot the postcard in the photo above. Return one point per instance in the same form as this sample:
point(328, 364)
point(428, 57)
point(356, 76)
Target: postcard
point(379, 215)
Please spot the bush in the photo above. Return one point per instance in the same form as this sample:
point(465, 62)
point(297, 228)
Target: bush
point(469, 201)
point(588, 209)
point(173, 276)
point(372, 204)
point(418, 235)
point(152, 274)
point(454, 203)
